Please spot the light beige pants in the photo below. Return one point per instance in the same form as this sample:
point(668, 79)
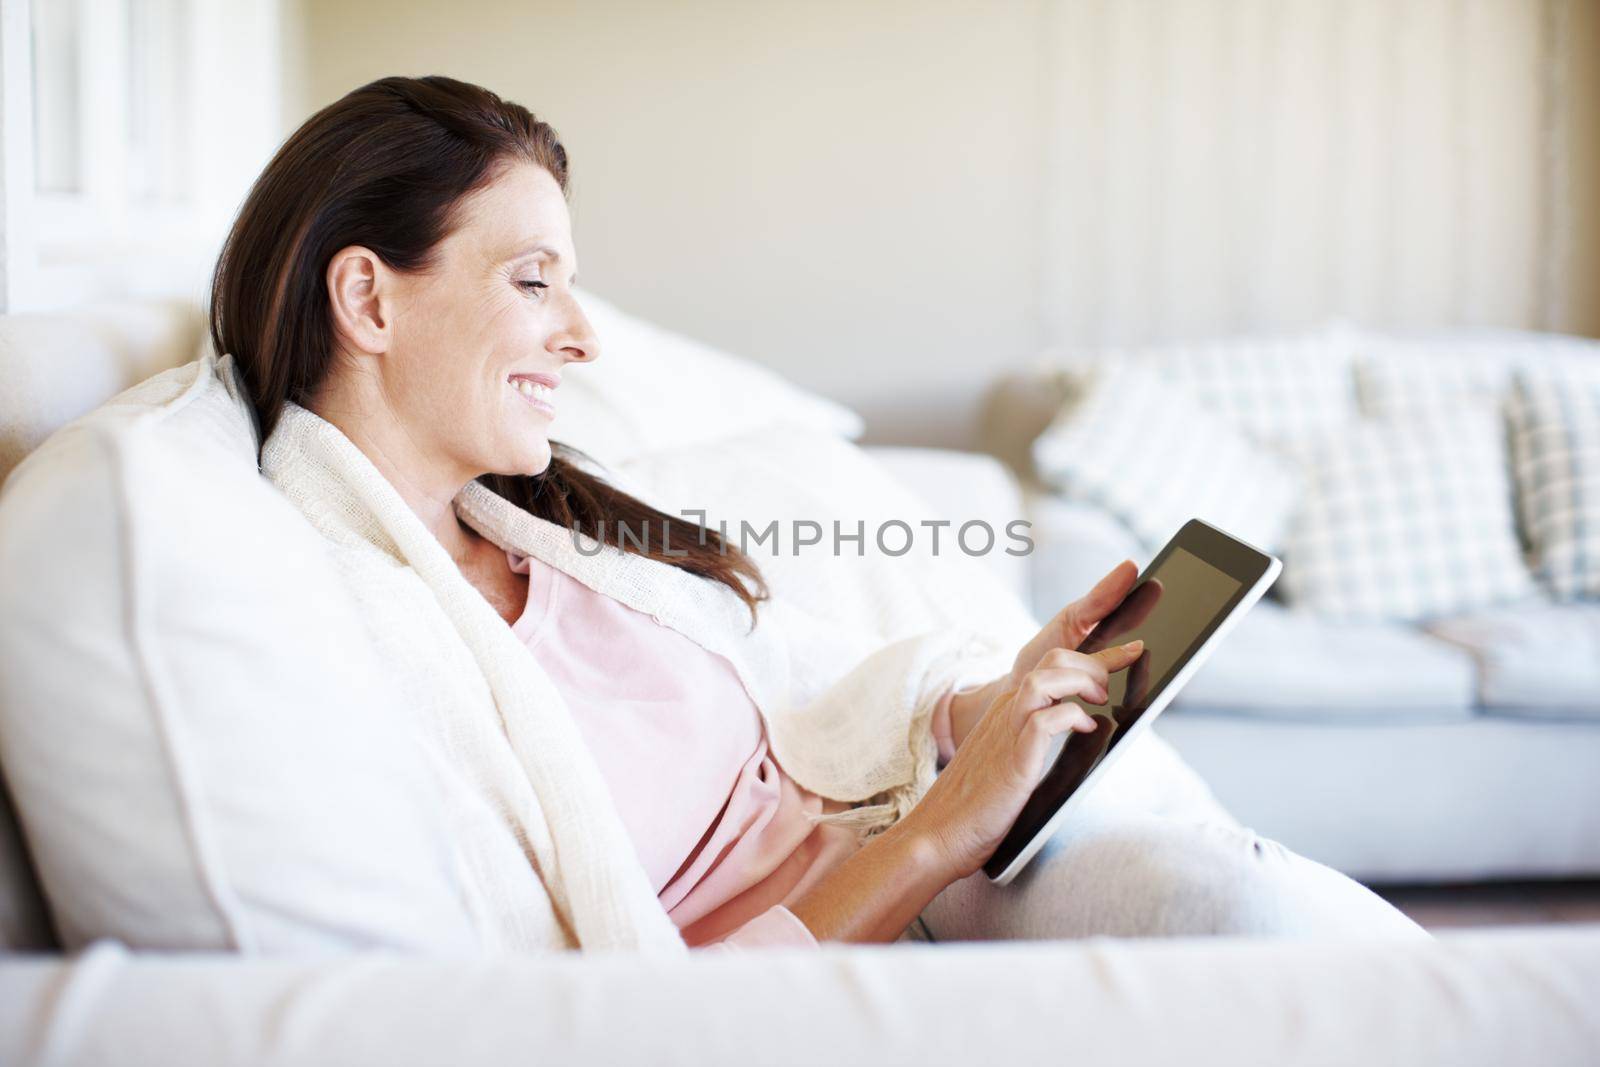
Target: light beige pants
point(1153, 854)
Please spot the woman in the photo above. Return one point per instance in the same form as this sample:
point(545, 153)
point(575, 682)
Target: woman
point(629, 735)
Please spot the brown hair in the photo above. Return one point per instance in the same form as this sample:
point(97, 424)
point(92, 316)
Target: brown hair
point(385, 168)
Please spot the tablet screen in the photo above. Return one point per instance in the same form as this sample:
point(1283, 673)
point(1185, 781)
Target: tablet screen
point(1171, 611)
point(1173, 608)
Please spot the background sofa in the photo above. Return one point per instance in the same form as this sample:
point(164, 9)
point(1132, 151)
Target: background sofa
point(1444, 728)
point(1487, 997)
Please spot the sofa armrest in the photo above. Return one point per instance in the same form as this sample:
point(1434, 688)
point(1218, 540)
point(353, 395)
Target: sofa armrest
point(962, 486)
point(1016, 409)
point(1516, 996)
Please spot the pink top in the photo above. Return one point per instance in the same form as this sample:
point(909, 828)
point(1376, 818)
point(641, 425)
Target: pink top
point(719, 827)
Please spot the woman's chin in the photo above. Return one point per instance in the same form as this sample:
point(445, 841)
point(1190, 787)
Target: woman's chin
point(531, 462)
point(519, 454)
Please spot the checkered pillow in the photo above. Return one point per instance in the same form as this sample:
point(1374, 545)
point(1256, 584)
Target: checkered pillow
point(1153, 456)
point(1398, 377)
point(1408, 521)
point(1555, 439)
point(1282, 391)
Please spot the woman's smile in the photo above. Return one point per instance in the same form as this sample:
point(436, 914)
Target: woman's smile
point(537, 389)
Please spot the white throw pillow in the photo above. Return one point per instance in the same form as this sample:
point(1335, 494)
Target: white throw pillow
point(1153, 456)
point(1555, 434)
point(652, 389)
point(1408, 521)
point(203, 750)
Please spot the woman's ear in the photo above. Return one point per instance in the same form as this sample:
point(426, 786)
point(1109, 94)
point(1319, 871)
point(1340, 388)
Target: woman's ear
point(357, 295)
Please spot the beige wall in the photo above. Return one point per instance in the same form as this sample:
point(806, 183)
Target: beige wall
point(892, 201)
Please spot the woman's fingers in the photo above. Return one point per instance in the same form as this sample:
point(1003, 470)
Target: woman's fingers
point(1098, 665)
point(1140, 603)
point(1058, 718)
point(1041, 729)
point(1115, 659)
point(1048, 685)
point(1080, 616)
point(1065, 716)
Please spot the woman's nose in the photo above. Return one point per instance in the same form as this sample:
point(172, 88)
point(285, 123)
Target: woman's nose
point(578, 341)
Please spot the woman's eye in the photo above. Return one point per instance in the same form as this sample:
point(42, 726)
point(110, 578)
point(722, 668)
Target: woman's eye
point(532, 287)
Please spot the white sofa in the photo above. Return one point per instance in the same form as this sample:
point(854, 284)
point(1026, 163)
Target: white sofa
point(1459, 748)
point(1489, 997)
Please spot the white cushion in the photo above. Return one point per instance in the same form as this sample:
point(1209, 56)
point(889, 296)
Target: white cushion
point(1074, 545)
point(1407, 521)
point(1286, 664)
point(652, 389)
point(1463, 799)
point(1537, 660)
point(966, 487)
point(1555, 433)
point(763, 488)
point(1477, 998)
point(1154, 457)
point(202, 748)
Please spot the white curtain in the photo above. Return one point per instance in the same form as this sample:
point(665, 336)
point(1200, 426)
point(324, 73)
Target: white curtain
point(1222, 166)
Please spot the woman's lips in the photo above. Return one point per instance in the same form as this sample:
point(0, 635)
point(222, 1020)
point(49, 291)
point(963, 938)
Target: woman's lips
point(536, 389)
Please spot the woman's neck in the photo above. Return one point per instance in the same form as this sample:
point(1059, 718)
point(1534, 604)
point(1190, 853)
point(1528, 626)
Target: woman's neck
point(428, 489)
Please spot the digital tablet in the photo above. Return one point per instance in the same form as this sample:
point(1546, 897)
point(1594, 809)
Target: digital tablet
point(1182, 605)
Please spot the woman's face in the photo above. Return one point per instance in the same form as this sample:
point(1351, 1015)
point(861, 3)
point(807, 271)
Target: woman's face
point(477, 342)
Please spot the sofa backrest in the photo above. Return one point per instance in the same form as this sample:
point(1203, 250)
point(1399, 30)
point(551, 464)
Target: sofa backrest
point(58, 366)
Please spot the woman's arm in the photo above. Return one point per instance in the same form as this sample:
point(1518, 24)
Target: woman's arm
point(901, 865)
point(876, 893)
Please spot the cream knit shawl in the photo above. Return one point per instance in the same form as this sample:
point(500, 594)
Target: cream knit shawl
point(545, 859)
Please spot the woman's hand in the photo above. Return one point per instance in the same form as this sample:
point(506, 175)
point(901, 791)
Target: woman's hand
point(976, 798)
point(1003, 731)
point(1069, 629)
